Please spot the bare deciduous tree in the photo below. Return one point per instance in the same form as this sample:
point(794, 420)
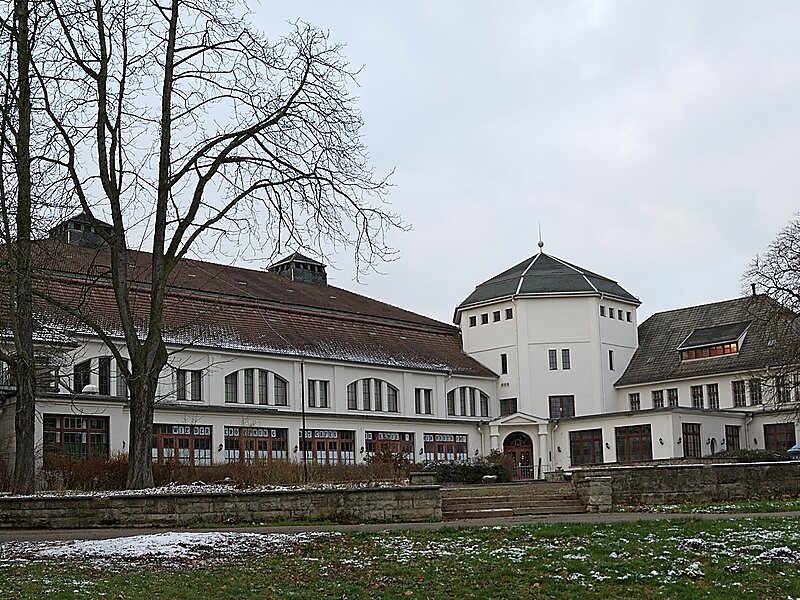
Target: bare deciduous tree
point(191, 127)
point(776, 275)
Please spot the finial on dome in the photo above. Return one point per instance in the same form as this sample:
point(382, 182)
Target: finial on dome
point(541, 243)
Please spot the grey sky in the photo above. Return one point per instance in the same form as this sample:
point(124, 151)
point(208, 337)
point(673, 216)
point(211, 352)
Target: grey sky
point(656, 142)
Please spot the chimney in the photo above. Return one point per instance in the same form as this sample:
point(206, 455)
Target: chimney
point(753, 287)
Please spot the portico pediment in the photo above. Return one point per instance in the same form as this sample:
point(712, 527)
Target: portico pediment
point(520, 419)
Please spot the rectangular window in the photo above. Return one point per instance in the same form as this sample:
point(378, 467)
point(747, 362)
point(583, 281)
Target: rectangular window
point(104, 375)
point(496, 316)
point(635, 401)
point(552, 358)
point(379, 442)
point(713, 396)
point(508, 406)
point(484, 318)
point(732, 437)
point(562, 407)
point(565, 362)
point(312, 393)
point(658, 398)
point(629, 316)
point(423, 404)
point(484, 405)
point(180, 385)
point(232, 387)
point(739, 393)
point(255, 444)
point(451, 402)
point(440, 447)
point(783, 390)
point(378, 386)
point(462, 400)
point(633, 443)
point(473, 321)
point(586, 447)
point(249, 387)
point(196, 385)
point(81, 376)
point(328, 447)
point(697, 396)
point(504, 364)
point(263, 386)
point(779, 437)
point(672, 397)
point(619, 314)
point(756, 396)
point(122, 386)
point(509, 313)
point(472, 404)
point(692, 442)
point(317, 393)
point(602, 311)
point(610, 360)
point(74, 437)
point(185, 444)
point(187, 385)
point(366, 394)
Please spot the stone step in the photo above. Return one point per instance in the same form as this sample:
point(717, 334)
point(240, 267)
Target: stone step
point(537, 498)
point(478, 514)
point(455, 506)
point(551, 510)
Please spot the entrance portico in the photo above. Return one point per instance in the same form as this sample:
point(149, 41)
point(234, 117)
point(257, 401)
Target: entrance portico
point(525, 439)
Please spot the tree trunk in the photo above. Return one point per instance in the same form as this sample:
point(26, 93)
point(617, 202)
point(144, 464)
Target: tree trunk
point(24, 465)
point(140, 465)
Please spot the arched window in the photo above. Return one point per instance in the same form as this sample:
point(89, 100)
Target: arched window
point(256, 386)
point(467, 401)
point(372, 394)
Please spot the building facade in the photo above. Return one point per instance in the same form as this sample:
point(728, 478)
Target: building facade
point(546, 363)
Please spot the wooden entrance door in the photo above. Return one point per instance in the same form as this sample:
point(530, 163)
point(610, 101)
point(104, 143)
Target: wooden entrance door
point(519, 447)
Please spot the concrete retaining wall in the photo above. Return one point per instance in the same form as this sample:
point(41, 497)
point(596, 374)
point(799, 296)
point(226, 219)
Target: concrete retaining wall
point(603, 489)
point(400, 504)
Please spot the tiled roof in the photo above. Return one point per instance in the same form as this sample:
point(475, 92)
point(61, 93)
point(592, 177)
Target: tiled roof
point(233, 308)
point(543, 274)
point(660, 336)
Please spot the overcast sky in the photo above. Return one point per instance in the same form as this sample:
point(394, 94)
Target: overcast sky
point(657, 143)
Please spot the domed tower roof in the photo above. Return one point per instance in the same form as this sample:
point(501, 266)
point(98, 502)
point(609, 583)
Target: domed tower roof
point(545, 275)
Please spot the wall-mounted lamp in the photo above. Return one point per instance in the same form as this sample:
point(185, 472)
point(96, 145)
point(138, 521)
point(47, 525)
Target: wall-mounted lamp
point(294, 450)
point(476, 452)
point(722, 442)
point(661, 441)
point(362, 450)
point(755, 441)
point(708, 441)
point(123, 444)
point(558, 448)
point(608, 446)
point(679, 440)
point(421, 451)
point(219, 448)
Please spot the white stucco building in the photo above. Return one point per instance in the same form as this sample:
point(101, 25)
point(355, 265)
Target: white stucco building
point(547, 363)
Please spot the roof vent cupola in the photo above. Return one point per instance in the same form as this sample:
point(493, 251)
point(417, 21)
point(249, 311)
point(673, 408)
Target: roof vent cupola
point(81, 230)
point(297, 267)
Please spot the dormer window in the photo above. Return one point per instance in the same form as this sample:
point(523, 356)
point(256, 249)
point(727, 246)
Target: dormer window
point(710, 342)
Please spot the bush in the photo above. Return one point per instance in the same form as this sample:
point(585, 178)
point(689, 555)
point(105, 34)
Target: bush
point(471, 471)
point(751, 456)
point(86, 474)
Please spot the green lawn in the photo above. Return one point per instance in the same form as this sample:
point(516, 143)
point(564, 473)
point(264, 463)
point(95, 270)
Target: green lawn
point(655, 559)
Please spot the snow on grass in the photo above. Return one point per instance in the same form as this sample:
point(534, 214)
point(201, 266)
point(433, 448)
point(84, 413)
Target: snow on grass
point(179, 547)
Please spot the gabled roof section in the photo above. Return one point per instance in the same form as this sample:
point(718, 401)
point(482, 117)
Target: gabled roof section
point(664, 334)
point(231, 308)
point(545, 275)
point(298, 258)
point(712, 336)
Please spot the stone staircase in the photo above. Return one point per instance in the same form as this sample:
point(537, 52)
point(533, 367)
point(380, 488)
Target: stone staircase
point(509, 500)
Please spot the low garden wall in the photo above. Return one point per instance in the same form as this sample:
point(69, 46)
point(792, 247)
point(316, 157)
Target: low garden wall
point(395, 504)
point(605, 488)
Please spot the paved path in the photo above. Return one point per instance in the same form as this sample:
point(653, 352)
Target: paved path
point(9, 535)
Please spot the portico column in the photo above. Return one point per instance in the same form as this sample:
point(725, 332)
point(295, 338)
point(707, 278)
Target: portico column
point(543, 448)
point(494, 438)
